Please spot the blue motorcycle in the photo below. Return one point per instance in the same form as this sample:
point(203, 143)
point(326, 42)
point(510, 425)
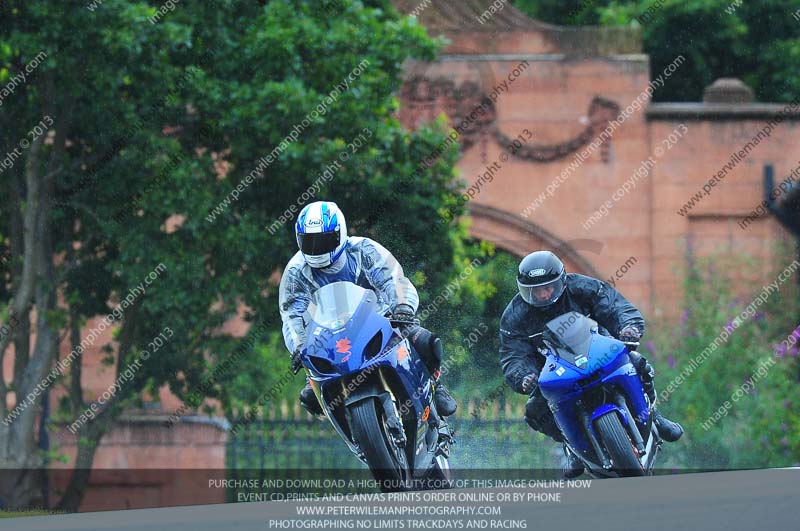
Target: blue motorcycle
point(375, 389)
point(597, 398)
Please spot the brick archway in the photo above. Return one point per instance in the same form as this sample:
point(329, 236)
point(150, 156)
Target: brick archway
point(520, 237)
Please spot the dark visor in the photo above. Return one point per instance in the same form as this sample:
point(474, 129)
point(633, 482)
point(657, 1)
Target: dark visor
point(318, 243)
point(539, 280)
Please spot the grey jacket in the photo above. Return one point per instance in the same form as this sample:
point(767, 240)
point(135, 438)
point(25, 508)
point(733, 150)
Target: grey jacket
point(364, 262)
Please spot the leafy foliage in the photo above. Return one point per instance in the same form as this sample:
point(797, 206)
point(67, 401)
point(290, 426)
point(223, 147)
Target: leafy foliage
point(759, 427)
point(156, 123)
point(758, 42)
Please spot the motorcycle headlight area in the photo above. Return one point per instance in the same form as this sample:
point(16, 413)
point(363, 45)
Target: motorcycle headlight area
point(321, 365)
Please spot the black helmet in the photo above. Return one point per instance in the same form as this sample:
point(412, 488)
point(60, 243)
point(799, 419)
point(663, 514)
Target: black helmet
point(538, 273)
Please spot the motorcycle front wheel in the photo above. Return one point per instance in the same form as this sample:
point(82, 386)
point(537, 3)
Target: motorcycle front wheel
point(615, 439)
point(387, 462)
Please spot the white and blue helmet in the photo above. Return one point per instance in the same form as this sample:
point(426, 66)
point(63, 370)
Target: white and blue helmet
point(321, 233)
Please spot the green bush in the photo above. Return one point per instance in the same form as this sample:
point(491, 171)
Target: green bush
point(758, 426)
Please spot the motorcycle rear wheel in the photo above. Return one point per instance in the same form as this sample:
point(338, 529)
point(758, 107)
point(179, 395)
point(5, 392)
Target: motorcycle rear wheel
point(387, 462)
point(615, 439)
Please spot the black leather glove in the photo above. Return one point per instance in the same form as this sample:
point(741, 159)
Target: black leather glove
point(297, 362)
point(538, 343)
point(529, 381)
point(404, 312)
point(630, 334)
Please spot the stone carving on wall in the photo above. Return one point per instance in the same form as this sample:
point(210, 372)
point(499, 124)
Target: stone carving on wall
point(423, 99)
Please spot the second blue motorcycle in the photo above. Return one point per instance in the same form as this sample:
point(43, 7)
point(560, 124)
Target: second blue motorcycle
point(597, 398)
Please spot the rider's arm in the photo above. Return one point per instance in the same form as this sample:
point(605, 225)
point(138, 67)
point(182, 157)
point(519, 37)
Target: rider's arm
point(611, 310)
point(386, 275)
point(293, 300)
point(516, 353)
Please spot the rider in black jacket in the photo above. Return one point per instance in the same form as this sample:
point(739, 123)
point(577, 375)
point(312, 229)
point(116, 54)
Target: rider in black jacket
point(545, 292)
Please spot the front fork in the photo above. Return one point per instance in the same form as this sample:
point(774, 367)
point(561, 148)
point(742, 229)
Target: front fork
point(630, 426)
point(586, 422)
point(633, 429)
point(393, 421)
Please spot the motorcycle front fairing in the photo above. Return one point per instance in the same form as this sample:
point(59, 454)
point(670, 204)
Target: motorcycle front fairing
point(351, 344)
point(579, 366)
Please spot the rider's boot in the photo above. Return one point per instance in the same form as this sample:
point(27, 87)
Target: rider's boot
point(574, 466)
point(669, 430)
point(445, 403)
point(309, 400)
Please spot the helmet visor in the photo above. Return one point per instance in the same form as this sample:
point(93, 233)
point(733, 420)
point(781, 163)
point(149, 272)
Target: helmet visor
point(318, 243)
point(543, 294)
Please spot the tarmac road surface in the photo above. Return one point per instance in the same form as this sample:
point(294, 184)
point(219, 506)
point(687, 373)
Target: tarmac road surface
point(718, 501)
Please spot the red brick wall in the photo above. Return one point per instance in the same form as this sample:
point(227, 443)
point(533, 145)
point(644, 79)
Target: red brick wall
point(551, 98)
point(141, 464)
point(712, 225)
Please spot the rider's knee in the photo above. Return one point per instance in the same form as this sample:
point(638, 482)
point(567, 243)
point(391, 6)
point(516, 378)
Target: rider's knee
point(539, 417)
point(535, 410)
point(429, 347)
point(437, 351)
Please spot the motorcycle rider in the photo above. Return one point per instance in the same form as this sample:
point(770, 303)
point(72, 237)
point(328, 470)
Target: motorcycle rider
point(327, 254)
point(546, 291)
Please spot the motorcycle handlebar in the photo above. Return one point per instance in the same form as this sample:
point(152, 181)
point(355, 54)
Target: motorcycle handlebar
point(401, 322)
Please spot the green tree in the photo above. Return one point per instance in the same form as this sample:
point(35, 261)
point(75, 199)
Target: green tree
point(147, 122)
point(758, 42)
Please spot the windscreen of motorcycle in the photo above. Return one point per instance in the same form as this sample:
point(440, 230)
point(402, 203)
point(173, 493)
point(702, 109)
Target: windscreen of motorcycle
point(334, 304)
point(570, 335)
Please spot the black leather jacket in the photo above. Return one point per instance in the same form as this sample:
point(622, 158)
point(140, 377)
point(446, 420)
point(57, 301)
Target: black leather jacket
point(591, 297)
